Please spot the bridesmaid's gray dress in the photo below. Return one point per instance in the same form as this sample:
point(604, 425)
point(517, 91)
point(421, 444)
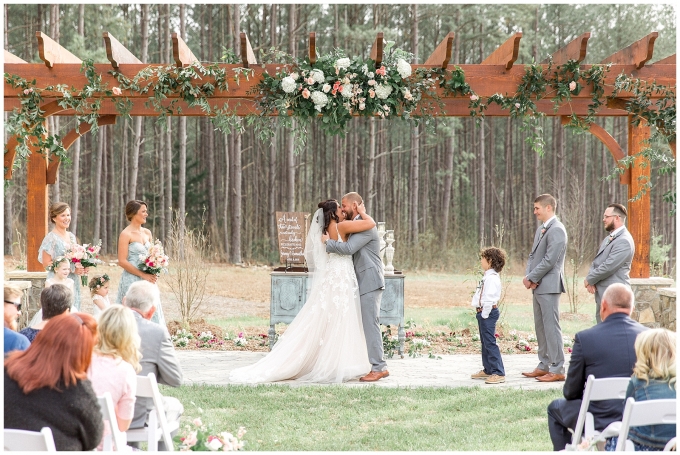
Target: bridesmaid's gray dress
point(137, 252)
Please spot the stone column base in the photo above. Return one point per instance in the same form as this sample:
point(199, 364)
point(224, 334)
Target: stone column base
point(36, 283)
point(654, 302)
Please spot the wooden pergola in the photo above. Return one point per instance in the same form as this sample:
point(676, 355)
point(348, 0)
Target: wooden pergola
point(496, 74)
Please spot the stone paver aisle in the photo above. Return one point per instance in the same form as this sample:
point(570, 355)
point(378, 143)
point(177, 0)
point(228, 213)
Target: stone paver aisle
point(213, 368)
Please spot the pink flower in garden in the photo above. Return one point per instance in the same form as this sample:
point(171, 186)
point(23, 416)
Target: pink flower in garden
point(371, 93)
point(240, 334)
point(28, 91)
point(117, 91)
point(496, 335)
point(474, 97)
point(191, 439)
point(197, 422)
point(572, 86)
point(517, 105)
point(569, 349)
point(527, 348)
point(381, 71)
point(305, 93)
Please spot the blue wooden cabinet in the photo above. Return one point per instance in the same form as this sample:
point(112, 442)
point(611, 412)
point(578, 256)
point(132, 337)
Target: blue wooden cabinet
point(289, 294)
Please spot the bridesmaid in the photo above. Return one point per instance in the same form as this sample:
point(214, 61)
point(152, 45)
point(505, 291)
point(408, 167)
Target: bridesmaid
point(133, 247)
point(55, 244)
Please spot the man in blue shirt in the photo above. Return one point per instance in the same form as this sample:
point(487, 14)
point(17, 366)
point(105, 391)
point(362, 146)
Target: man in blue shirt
point(13, 341)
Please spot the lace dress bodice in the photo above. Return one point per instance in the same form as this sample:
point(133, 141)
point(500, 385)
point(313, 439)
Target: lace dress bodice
point(55, 246)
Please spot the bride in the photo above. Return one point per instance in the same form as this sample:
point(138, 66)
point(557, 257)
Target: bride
point(325, 343)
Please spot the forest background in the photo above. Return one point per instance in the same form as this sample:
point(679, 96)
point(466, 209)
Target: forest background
point(445, 193)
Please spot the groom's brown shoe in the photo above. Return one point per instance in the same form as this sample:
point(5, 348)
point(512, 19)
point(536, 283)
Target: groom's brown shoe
point(374, 376)
point(535, 374)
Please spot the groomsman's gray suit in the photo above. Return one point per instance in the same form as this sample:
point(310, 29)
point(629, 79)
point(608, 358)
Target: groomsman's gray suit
point(546, 267)
point(611, 265)
point(365, 250)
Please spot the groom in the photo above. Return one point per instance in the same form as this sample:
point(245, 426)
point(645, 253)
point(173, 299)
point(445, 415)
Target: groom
point(365, 250)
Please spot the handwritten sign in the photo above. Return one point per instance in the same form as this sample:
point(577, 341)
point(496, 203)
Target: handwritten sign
point(292, 231)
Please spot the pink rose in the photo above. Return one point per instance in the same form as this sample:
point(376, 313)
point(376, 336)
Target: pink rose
point(572, 86)
point(371, 93)
point(305, 93)
point(381, 71)
point(191, 439)
point(197, 422)
point(517, 105)
point(310, 80)
point(474, 97)
point(117, 91)
point(371, 82)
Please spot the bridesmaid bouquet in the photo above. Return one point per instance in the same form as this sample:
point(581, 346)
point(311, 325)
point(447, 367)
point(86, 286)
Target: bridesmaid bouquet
point(156, 261)
point(204, 439)
point(87, 255)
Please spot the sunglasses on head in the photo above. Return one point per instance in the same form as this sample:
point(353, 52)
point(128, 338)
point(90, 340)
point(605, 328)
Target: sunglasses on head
point(18, 305)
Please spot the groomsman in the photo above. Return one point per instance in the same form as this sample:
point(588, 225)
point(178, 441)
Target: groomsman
point(545, 278)
point(612, 262)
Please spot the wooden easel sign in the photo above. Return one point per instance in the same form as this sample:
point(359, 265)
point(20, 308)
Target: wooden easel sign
point(292, 232)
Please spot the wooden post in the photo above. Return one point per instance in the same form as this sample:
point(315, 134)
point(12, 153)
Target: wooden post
point(639, 212)
point(36, 207)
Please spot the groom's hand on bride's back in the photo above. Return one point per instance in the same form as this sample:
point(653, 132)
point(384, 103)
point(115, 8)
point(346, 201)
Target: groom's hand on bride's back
point(324, 238)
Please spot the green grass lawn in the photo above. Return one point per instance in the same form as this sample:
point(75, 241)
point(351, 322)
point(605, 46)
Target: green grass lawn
point(344, 418)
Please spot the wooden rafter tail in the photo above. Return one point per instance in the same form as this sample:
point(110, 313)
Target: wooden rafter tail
point(116, 52)
point(11, 58)
point(670, 60)
point(247, 54)
point(442, 53)
point(181, 52)
point(377, 49)
point(312, 48)
point(52, 52)
point(70, 138)
point(575, 50)
point(638, 53)
point(506, 54)
point(10, 154)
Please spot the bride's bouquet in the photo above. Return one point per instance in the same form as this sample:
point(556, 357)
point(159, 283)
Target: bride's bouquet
point(87, 255)
point(156, 261)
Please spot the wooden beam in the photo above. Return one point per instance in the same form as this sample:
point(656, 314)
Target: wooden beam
point(247, 54)
point(442, 54)
point(181, 52)
point(377, 49)
point(70, 138)
point(575, 50)
point(36, 207)
point(670, 60)
point(637, 54)
point(11, 58)
point(116, 52)
point(639, 212)
point(614, 148)
point(51, 52)
point(312, 48)
point(506, 54)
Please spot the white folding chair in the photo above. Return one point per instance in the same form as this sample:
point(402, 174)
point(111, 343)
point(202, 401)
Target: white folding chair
point(596, 390)
point(33, 441)
point(116, 437)
point(158, 427)
point(650, 412)
point(670, 445)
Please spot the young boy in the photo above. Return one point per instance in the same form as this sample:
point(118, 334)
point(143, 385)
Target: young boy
point(485, 302)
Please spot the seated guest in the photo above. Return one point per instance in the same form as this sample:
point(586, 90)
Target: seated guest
point(13, 341)
point(47, 386)
point(606, 350)
point(115, 362)
point(158, 353)
point(54, 300)
point(653, 379)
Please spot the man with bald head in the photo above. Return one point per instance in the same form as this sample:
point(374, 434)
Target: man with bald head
point(605, 350)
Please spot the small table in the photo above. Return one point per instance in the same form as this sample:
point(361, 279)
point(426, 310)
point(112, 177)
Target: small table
point(289, 294)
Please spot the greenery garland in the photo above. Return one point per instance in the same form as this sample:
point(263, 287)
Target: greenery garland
point(335, 89)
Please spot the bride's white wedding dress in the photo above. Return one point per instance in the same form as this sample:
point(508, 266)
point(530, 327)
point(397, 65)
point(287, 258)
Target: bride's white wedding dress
point(325, 343)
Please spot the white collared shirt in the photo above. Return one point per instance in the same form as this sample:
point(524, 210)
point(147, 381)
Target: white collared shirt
point(613, 233)
point(492, 292)
point(549, 220)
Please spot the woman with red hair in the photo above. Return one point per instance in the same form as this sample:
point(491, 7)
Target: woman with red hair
point(47, 386)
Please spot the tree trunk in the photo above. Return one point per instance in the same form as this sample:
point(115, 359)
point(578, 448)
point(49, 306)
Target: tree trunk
point(101, 144)
point(236, 211)
point(290, 143)
point(449, 145)
point(481, 186)
point(370, 188)
point(168, 133)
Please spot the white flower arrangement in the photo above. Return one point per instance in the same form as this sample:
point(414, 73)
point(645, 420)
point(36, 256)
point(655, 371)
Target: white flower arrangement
point(347, 90)
point(288, 84)
point(420, 342)
point(567, 342)
point(320, 100)
point(240, 340)
point(318, 76)
point(295, 76)
point(532, 338)
point(205, 336)
point(342, 63)
point(383, 91)
point(181, 338)
point(403, 68)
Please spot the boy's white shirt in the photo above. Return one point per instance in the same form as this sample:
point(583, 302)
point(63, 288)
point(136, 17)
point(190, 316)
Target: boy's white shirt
point(492, 292)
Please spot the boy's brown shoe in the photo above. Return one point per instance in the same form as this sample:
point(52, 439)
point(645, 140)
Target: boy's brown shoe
point(479, 375)
point(495, 379)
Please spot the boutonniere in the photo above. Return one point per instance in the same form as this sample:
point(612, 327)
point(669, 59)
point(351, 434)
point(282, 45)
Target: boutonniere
point(543, 231)
point(610, 238)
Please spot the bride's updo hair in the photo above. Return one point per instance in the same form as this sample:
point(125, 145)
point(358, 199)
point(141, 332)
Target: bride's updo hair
point(329, 208)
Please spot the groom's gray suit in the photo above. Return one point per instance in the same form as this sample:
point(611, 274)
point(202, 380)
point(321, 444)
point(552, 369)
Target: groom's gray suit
point(365, 250)
point(546, 267)
point(611, 265)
